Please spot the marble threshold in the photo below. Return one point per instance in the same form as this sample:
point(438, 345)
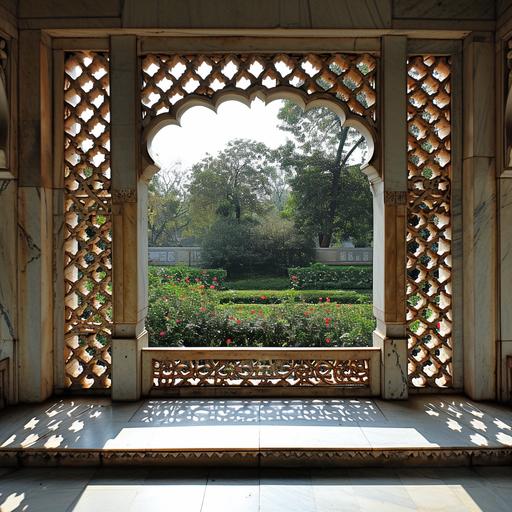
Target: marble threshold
point(432, 430)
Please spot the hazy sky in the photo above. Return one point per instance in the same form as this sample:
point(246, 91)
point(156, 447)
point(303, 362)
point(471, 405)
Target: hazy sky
point(204, 131)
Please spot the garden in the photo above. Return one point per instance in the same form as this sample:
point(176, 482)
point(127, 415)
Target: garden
point(256, 211)
point(322, 306)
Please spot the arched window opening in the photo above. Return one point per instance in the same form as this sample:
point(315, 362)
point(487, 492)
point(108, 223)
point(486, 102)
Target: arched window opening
point(264, 222)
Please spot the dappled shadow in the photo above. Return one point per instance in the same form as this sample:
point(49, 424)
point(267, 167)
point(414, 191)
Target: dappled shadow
point(265, 411)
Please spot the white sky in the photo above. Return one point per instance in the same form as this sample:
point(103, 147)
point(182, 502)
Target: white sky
point(204, 131)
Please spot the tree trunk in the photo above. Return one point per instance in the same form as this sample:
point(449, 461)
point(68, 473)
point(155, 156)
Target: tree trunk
point(324, 239)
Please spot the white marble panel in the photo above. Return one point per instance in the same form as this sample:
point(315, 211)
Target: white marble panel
point(479, 99)
point(394, 379)
point(479, 210)
point(448, 9)
point(265, 13)
point(35, 312)
point(505, 248)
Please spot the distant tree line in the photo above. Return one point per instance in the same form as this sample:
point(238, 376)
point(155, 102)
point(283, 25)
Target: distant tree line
point(255, 208)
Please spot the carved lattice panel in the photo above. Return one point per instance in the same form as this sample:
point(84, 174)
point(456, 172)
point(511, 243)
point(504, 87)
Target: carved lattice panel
point(260, 372)
point(88, 225)
point(429, 265)
point(169, 79)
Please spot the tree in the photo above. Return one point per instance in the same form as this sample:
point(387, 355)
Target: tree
point(168, 213)
point(234, 183)
point(330, 197)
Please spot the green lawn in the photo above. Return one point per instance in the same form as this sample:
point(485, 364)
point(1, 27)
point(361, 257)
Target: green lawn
point(259, 283)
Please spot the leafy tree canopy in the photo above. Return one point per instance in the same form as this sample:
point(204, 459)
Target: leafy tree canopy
point(329, 195)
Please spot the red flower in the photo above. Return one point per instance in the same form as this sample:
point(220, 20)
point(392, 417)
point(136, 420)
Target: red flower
point(187, 279)
point(327, 299)
point(439, 325)
point(214, 278)
point(320, 299)
point(228, 341)
point(201, 286)
point(162, 333)
point(203, 309)
point(238, 321)
point(253, 311)
point(212, 287)
point(294, 278)
point(178, 321)
point(327, 340)
point(263, 297)
point(327, 322)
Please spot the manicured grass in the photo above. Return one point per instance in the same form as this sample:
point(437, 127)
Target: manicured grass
point(259, 283)
point(282, 296)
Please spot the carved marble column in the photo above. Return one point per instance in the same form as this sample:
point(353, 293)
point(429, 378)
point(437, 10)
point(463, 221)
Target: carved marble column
point(389, 213)
point(129, 244)
point(479, 218)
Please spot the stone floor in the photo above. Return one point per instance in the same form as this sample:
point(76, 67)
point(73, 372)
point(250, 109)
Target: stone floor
point(255, 489)
point(214, 424)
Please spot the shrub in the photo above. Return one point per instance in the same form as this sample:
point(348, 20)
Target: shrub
point(183, 275)
point(246, 247)
point(283, 296)
point(279, 245)
point(231, 245)
point(326, 277)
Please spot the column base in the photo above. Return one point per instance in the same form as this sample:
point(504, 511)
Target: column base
point(394, 381)
point(127, 367)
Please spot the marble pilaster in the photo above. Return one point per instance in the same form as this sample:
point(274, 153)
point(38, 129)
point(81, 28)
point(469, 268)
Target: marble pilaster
point(479, 220)
point(389, 214)
point(129, 230)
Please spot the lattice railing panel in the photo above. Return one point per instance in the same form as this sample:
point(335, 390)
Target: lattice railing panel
point(429, 235)
point(262, 371)
point(169, 79)
point(88, 224)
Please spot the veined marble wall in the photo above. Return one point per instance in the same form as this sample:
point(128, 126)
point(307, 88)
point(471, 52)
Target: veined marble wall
point(8, 284)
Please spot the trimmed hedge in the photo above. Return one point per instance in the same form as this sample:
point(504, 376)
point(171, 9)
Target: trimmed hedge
point(212, 278)
point(283, 296)
point(326, 277)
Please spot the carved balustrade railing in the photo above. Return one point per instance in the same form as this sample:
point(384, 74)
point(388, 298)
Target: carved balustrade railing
point(261, 371)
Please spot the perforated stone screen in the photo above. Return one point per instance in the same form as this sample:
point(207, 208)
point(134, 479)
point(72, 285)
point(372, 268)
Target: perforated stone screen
point(429, 228)
point(169, 79)
point(88, 226)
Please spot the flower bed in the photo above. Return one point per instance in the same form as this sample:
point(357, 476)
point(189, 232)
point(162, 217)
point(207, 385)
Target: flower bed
point(193, 316)
point(212, 278)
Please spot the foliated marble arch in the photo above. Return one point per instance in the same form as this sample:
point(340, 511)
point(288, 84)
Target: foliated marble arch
point(345, 83)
